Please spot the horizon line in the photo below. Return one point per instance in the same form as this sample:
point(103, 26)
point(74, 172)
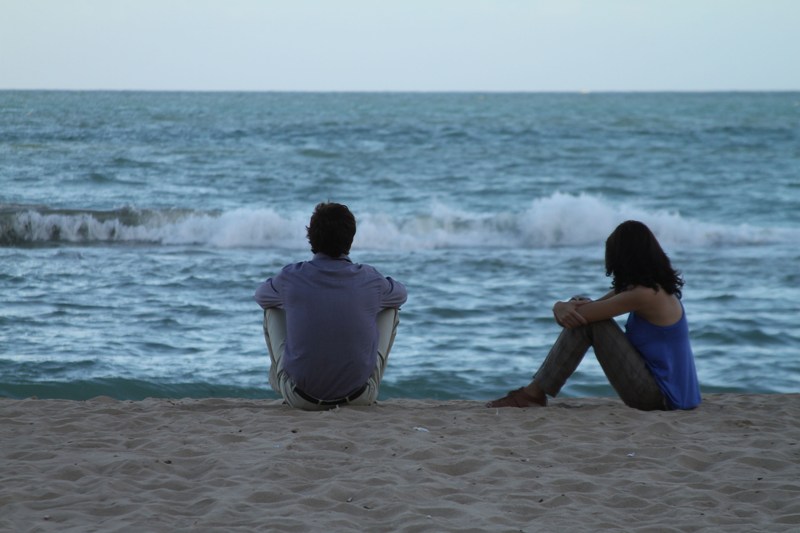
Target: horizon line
point(410, 91)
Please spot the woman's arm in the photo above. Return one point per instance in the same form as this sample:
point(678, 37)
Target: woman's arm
point(606, 296)
point(566, 313)
point(580, 312)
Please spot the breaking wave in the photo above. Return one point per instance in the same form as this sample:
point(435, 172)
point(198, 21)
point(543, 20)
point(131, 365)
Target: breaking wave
point(557, 220)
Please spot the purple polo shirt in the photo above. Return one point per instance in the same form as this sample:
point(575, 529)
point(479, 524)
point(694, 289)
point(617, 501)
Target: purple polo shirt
point(331, 306)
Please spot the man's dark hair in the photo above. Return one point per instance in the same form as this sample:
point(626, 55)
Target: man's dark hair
point(331, 229)
point(634, 257)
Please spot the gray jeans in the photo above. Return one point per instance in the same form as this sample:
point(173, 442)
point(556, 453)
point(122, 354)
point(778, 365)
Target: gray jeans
point(279, 380)
point(623, 365)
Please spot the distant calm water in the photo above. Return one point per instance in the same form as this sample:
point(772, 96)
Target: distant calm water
point(134, 228)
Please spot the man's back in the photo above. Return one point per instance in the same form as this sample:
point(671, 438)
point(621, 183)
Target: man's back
point(331, 305)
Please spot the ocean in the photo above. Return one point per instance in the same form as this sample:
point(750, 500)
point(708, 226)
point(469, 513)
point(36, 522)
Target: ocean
point(135, 227)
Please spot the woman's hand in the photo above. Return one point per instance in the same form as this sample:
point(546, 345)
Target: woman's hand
point(567, 315)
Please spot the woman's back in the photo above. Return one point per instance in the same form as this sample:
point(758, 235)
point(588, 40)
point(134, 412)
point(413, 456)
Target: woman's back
point(658, 307)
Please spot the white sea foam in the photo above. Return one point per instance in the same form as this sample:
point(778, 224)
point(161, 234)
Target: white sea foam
point(557, 220)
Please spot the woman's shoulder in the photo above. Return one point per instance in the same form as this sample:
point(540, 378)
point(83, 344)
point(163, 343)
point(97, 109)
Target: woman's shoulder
point(658, 306)
point(640, 293)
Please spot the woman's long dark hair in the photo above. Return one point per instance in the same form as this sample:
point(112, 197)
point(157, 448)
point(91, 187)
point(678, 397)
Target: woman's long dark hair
point(634, 257)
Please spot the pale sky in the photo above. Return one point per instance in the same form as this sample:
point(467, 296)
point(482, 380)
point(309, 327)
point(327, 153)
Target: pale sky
point(401, 45)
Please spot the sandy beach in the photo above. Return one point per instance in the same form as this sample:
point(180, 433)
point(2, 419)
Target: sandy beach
point(403, 465)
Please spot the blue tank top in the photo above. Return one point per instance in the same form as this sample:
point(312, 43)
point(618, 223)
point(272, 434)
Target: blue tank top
point(668, 355)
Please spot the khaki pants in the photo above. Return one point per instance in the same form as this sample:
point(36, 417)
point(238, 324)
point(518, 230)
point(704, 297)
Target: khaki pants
point(279, 380)
point(623, 365)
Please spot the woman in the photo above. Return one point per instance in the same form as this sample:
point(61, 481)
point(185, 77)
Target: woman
point(651, 365)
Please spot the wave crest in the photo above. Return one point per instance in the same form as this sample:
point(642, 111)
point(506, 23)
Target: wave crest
point(557, 220)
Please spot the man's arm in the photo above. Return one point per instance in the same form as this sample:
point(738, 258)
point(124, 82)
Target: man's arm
point(267, 295)
point(394, 294)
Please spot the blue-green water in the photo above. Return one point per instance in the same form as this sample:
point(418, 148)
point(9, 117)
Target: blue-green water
point(134, 228)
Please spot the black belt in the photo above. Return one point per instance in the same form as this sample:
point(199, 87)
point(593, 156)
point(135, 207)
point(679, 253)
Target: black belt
point(347, 399)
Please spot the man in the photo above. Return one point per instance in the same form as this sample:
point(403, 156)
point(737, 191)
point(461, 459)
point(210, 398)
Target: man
point(329, 323)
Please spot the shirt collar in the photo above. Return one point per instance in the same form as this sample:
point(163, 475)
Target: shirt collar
point(325, 257)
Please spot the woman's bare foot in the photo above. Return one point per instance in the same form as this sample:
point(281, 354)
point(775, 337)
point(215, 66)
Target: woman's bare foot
point(519, 398)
